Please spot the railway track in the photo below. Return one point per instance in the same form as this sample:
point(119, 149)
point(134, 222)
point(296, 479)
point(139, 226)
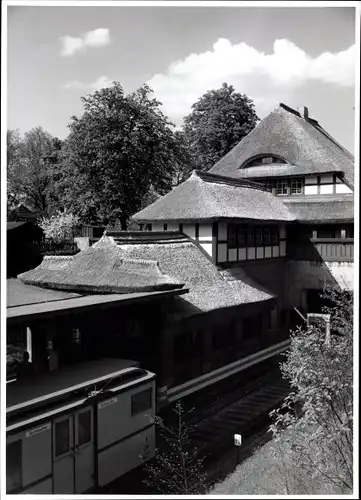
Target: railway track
point(244, 411)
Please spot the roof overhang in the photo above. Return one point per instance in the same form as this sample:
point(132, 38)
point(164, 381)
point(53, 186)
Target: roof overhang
point(82, 304)
point(209, 220)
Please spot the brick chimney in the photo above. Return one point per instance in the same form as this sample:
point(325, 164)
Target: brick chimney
point(305, 113)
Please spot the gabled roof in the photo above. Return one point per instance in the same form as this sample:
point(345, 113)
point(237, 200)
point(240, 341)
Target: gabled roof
point(184, 259)
point(212, 197)
point(102, 268)
point(299, 141)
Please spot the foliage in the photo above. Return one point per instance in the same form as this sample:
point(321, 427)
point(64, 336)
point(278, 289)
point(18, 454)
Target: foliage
point(178, 469)
point(315, 421)
point(184, 163)
point(120, 148)
point(31, 165)
point(60, 226)
point(218, 121)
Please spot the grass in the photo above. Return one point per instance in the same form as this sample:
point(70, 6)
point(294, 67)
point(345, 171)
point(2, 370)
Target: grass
point(269, 472)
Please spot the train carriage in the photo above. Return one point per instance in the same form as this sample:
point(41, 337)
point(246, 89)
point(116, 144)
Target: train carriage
point(80, 428)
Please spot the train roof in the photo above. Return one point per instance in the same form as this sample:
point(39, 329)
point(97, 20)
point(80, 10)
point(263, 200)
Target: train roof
point(35, 391)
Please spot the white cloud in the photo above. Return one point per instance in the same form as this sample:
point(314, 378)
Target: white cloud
point(101, 82)
point(261, 76)
point(96, 38)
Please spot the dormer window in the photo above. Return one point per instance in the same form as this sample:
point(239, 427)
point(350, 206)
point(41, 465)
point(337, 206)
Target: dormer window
point(264, 160)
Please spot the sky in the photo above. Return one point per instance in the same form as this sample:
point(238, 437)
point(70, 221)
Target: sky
point(301, 56)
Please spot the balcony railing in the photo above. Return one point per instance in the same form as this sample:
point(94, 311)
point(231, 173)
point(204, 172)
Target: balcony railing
point(322, 249)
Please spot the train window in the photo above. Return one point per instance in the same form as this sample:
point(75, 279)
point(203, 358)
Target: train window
point(141, 401)
point(84, 427)
point(62, 437)
point(13, 465)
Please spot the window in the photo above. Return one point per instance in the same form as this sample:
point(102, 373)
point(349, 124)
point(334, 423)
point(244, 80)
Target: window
point(232, 235)
point(13, 465)
point(76, 336)
point(328, 232)
point(165, 227)
point(264, 160)
point(84, 427)
point(268, 184)
point(349, 232)
point(274, 235)
point(141, 401)
point(62, 437)
point(259, 236)
point(266, 235)
point(250, 237)
point(282, 187)
point(297, 186)
point(241, 236)
point(148, 227)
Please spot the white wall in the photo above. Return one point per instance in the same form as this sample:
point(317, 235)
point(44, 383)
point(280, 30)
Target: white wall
point(342, 189)
point(326, 186)
point(189, 230)
point(205, 237)
point(311, 190)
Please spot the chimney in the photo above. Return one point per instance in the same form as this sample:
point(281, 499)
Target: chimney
point(305, 113)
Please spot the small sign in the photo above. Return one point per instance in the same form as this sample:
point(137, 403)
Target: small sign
point(237, 440)
point(108, 402)
point(37, 430)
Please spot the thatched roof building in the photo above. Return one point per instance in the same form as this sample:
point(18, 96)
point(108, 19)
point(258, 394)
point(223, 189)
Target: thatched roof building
point(207, 197)
point(298, 140)
point(181, 257)
point(102, 268)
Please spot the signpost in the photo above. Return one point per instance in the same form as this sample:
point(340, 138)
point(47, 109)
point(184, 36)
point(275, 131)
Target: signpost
point(238, 444)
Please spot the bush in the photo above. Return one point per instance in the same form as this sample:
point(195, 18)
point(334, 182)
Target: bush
point(60, 226)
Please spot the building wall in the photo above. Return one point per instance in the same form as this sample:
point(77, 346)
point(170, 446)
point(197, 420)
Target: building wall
point(199, 232)
point(249, 253)
point(325, 184)
point(306, 275)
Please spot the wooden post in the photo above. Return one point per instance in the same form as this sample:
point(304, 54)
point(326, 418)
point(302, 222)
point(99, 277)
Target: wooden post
point(29, 343)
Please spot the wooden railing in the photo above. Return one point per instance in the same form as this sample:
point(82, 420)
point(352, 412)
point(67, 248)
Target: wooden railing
point(322, 249)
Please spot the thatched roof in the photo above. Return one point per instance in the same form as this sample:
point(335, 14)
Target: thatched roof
point(331, 209)
point(210, 197)
point(300, 142)
point(102, 268)
point(184, 259)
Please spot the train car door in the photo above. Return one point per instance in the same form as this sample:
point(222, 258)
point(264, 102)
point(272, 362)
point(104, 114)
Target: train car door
point(63, 454)
point(84, 449)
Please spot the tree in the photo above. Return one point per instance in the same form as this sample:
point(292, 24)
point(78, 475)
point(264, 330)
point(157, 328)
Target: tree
point(184, 164)
point(315, 421)
point(31, 166)
point(177, 469)
point(59, 227)
point(120, 148)
point(218, 121)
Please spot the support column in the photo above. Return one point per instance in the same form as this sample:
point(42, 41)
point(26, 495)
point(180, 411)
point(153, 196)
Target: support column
point(29, 343)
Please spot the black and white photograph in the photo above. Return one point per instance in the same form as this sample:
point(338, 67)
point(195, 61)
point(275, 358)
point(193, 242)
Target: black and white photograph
point(180, 249)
